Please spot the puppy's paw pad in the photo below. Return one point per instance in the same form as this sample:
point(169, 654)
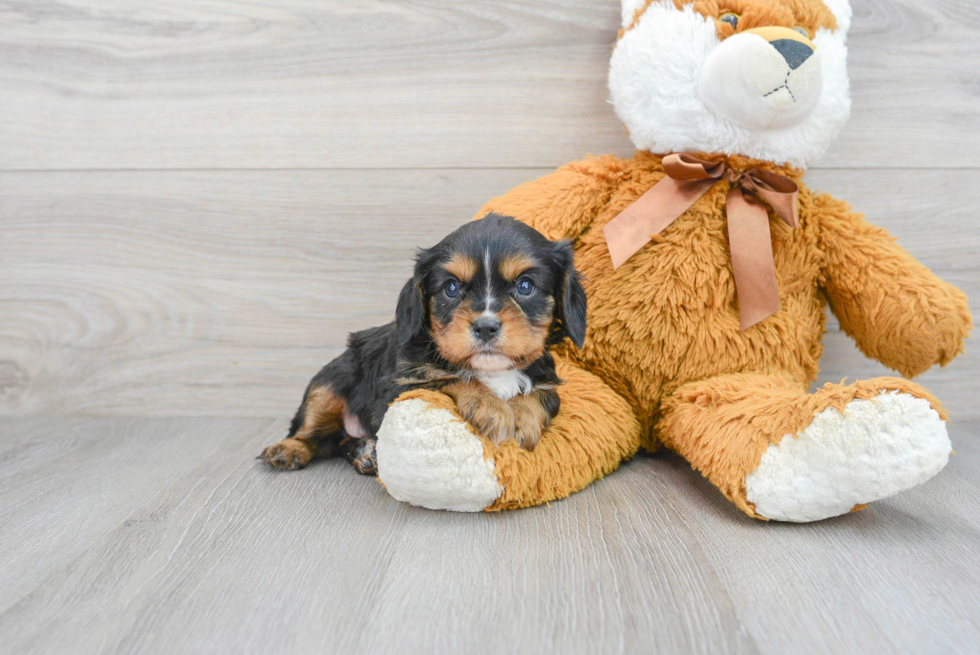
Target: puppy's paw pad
point(366, 464)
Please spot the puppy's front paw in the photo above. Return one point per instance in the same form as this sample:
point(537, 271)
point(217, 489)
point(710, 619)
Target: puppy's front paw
point(495, 421)
point(288, 454)
point(532, 413)
point(529, 427)
point(489, 415)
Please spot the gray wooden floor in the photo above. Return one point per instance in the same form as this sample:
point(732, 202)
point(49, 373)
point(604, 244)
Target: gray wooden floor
point(198, 200)
point(155, 535)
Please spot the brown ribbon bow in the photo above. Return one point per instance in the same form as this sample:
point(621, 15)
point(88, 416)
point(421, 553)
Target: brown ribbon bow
point(688, 178)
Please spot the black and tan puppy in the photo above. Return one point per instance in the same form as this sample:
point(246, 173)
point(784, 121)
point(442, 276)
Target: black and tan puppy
point(474, 322)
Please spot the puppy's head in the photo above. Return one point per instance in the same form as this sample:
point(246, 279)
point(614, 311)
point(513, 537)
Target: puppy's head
point(492, 295)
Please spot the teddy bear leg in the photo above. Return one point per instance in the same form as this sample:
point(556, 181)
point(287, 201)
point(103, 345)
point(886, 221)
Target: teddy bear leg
point(781, 453)
point(429, 456)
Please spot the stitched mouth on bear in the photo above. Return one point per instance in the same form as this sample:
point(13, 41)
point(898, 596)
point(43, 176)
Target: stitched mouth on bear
point(762, 79)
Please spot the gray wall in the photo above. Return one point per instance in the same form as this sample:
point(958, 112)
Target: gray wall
point(198, 201)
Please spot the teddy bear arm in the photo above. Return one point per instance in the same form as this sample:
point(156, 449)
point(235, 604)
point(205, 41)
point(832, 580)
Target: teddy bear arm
point(894, 307)
point(560, 205)
point(429, 456)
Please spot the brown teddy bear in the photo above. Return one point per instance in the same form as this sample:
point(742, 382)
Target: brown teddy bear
point(708, 268)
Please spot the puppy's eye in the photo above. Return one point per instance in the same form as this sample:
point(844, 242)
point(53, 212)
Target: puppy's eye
point(452, 288)
point(802, 30)
point(525, 287)
point(729, 17)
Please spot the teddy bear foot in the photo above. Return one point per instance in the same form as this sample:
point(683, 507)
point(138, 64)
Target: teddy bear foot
point(875, 448)
point(428, 457)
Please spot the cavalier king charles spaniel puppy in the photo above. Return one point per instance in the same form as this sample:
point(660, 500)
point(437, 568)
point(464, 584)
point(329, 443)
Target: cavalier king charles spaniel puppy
point(474, 322)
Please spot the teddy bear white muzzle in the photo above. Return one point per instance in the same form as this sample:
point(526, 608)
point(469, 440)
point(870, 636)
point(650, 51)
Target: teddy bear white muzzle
point(762, 79)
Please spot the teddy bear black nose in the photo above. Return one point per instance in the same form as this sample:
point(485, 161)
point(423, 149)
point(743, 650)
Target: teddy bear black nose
point(486, 328)
point(794, 52)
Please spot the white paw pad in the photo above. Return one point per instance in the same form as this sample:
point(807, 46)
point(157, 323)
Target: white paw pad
point(873, 449)
point(427, 457)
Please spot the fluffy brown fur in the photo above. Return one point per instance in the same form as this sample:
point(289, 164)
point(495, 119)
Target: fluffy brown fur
point(758, 13)
point(665, 363)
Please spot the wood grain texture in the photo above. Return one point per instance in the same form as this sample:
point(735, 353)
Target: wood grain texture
point(898, 577)
point(215, 553)
point(310, 84)
point(69, 482)
point(222, 293)
point(198, 200)
point(202, 293)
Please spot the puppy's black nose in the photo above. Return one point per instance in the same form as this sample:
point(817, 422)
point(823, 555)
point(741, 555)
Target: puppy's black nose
point(794, 52)
point(486, 328)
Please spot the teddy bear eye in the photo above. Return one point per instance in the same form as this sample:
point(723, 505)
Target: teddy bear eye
point(729, 17)
point(802, 30)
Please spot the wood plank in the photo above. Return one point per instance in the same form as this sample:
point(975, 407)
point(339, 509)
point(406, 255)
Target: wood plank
point(242, 553)
point(221, 293)
point(897, 577)
point(110, 277)
point(606, 571)
point(66, 483)
point(310, 84)
point(238, 558)
point(231, 557)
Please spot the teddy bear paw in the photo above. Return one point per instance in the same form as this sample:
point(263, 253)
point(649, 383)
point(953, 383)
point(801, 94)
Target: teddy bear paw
point(873, 449)
point(428, 457)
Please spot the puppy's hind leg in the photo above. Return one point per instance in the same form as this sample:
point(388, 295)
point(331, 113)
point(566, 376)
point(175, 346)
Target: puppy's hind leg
point(315, 430)
point(358, 446)
point(361, 454)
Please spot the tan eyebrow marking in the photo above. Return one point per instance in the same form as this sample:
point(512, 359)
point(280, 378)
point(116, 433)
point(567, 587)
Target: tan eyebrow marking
point(513, 265)
point(462, 267)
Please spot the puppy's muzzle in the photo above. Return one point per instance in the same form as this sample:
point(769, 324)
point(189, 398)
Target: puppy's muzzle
point(486, 328)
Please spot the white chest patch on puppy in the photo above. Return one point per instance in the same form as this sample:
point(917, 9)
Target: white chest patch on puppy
point(506, 384)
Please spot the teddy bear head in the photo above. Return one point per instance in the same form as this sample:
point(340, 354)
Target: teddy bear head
point(766, 79)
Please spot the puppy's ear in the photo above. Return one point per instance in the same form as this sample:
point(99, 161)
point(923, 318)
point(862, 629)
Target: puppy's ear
point(571, 306)
point(410, 313)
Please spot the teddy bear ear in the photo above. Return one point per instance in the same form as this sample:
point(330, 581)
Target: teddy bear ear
point(629, 10)
point(841, 9)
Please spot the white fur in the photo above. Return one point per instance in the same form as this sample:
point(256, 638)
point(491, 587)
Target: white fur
point(874, 449)
point(427, 457)
point(629, 10)
point(653, 79)
point(489, 298)
point(489, 362)
point(841, 9)
point(506, 384)
point(748, 82)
